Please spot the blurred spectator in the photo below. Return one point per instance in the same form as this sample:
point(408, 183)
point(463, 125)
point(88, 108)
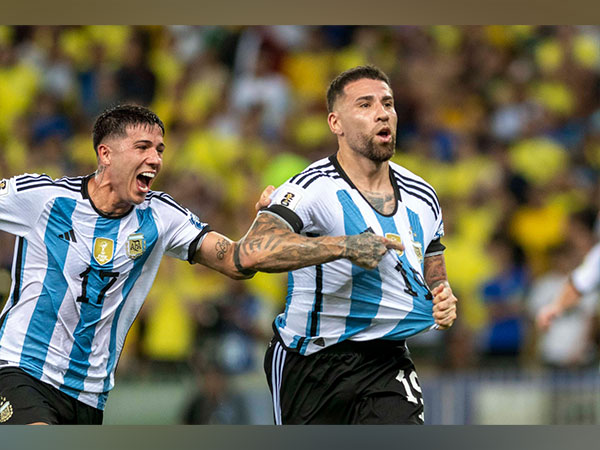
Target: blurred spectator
point(505, 333)
point(263, 85)
point(136, 83)
point(49, 121)
point(230, 335)
point(214, 401)
point(568, 342)
point(231, 326)
point(97, 84)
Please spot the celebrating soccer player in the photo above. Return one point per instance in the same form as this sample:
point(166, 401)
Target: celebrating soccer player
point(339, 354)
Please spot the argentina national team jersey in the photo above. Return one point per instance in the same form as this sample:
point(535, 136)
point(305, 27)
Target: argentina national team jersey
point(332, 302)
point(79, 278)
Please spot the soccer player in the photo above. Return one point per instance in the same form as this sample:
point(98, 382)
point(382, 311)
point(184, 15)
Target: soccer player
point(584, 280)
point(87, 251)
point(339, 354)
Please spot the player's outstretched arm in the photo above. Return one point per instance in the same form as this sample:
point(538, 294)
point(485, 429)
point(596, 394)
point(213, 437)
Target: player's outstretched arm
point(216, 250)
point(568, 298)
point(444, 301)
point(271, 246)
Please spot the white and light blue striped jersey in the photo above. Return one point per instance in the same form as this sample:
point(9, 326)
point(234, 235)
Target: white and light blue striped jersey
point(331, 302)
point(586, 277)
point(79, 278)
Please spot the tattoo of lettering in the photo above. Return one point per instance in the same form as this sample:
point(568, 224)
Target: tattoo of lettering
point(222, 246)
point(435, 271)
point(383, 203)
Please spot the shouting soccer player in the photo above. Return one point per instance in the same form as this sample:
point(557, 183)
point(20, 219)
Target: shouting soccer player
point(339, 354)
point(87, 251)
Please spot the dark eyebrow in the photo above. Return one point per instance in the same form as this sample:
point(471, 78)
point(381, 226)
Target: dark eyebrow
point(147, 142)
point(370, 98)
point(364, 97)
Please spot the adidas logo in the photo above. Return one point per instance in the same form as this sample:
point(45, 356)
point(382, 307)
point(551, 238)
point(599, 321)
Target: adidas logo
point(320, 342)
point(68, 236)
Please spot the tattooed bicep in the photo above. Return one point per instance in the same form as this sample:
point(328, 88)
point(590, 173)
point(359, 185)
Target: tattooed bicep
point(271, 222)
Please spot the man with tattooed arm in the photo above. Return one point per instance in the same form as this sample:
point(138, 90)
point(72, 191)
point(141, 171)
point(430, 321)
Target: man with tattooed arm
point(86, 254)
point(339, 354)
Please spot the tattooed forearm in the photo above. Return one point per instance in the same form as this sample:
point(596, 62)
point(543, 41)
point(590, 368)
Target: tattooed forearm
point(384, 203)
point(273, 247)
point(435, 271)
point(270, 246)
point(222, 247)
point(238, 265)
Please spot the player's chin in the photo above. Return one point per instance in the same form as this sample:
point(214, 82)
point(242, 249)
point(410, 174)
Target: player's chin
point(383, 152)
point(138, 197)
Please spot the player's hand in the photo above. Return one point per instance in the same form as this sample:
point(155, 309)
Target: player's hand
point(367, 249)
point(444, 306)
point(546, 316)
point(264, 200)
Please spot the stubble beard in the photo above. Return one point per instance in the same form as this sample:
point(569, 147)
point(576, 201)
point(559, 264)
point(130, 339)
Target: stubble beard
point(378, 153)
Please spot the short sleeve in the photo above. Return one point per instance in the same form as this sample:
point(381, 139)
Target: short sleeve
point(303, 209)
point(183, 230)
point(586, 277)
point(20, 206)
point(435, 246)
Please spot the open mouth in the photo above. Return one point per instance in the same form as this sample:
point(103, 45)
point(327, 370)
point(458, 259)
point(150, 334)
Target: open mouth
point(385, 134)
point(144, 180)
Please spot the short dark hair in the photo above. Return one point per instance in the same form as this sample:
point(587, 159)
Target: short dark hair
point(115, 120)
point(336, 88)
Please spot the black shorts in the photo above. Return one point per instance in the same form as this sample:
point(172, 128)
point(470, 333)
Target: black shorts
point(25, 399)
point(371, 382)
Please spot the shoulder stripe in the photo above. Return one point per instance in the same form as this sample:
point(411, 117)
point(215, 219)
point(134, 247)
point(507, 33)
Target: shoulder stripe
point(32, 179)
point(43, 183)
point(165, 198)
point(309, 182)
point(28, 181)
point(308, 171)
point(433, 202)
point(73, 181)
point(414, 194)
point(413, 186)
point(314, 174)
point(420, 185)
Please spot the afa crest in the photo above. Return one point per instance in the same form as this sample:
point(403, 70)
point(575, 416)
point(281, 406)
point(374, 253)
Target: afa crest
point(104, 250)
point(6, 410)
point(418, 250)
point(136, 245)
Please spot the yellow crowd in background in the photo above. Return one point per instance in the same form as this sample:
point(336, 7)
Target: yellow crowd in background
point(503, 121)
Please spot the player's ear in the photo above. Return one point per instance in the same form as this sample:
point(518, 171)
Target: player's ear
point(334, 124)
point(104, 154)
